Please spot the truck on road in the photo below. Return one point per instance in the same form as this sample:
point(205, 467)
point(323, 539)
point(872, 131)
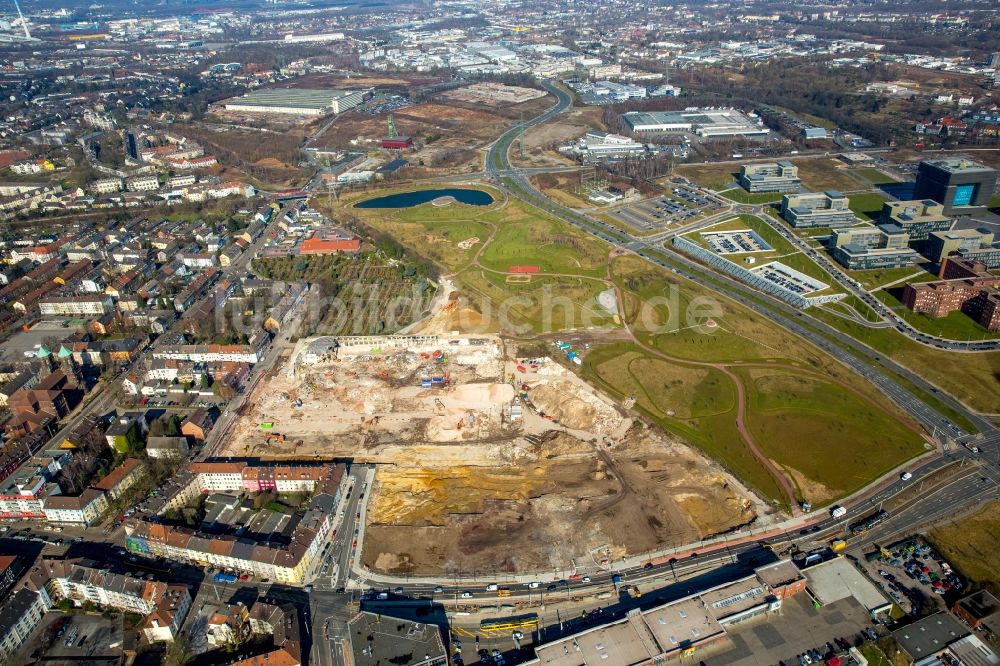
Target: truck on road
point(837, 511)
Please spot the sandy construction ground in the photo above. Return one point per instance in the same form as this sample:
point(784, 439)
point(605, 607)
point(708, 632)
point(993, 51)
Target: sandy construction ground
point(464, 480)
point(526, 506)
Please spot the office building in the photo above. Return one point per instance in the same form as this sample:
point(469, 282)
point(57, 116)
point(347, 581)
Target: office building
point(965, 285)
point(817, 209)
point(296, 101)
point(918, 218)
point(961, 185)
point(782, 176)
point(967, 243)
point(867, 247)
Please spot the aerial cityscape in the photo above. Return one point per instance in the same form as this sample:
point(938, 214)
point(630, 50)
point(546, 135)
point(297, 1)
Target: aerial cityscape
point(499, 333)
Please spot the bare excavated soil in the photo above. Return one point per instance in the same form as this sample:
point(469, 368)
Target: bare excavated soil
point(539, 506)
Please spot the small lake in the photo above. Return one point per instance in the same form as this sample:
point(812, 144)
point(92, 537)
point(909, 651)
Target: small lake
point(410, 199)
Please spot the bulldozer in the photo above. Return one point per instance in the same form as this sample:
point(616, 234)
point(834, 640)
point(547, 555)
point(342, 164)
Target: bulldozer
point(368, 423)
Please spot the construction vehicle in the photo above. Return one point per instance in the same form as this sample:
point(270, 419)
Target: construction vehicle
point(368, 423)
point(503, 592)
point(633, 591)
point(838, 545)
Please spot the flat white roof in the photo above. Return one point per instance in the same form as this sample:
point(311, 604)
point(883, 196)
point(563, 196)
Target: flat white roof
point(838, 579)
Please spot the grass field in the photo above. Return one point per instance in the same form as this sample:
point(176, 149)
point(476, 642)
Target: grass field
point(709, 175)
point(875, 278)
point(875, 177)
point(739, 195)
point(803, 422)
point(555, 247)
point(868, 206)
point(970, 545)
point(822, 174)
point(710, 426)
point(544, 305)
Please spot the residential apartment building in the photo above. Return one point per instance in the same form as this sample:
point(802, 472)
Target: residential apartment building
point(78, 306)
point(79, 580)
point(817, 209)
point(281, 562)
point(120, 479)
point(918, 217)
point(84, 509)
point(782, 176)
point(144, 184)
point(106, 186)
point(20, 614)
point(868, 247)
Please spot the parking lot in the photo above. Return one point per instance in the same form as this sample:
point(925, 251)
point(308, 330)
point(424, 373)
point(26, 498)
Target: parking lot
point(736, 242)
point(72, 639)
point(655, 213)
point(698, 198)
point(790, 279)
point(914, 575)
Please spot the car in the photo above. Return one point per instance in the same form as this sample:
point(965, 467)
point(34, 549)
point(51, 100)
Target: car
point(552, 588)
point(382, 596)
point(586, 579)
point(398, 590)
point(492, 587)
point(905, 476)
point(534, 584)
point(244, 577)
point(438, 589)
point(466, 595)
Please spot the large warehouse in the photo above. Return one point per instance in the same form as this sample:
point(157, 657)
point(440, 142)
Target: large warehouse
point(707, 123)
point(297, 101)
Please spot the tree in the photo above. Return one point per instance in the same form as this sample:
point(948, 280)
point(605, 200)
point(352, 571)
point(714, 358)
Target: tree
point(178, 652)
point(173, 426)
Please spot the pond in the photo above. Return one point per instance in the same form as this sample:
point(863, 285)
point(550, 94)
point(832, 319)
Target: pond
point(410, 199)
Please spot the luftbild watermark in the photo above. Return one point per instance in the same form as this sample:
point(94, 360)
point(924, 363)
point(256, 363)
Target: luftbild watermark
point(366, 309)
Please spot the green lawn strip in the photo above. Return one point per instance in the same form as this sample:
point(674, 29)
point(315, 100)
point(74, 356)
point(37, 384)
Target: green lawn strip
point(868, 206)
point(875, 177)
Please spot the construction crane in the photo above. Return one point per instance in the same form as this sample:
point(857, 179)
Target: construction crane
point(392, 128)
